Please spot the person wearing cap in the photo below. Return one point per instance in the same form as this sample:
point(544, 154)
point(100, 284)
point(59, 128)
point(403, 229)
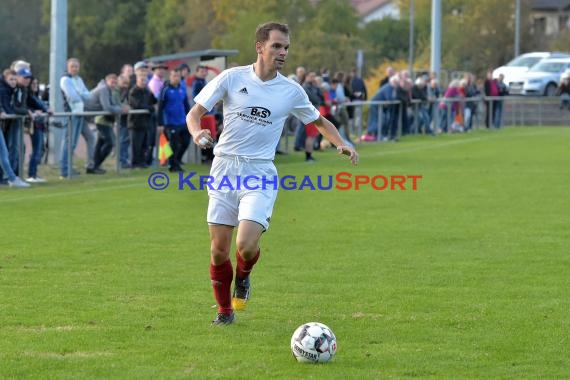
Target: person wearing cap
point(20, 102)
point(8, 84)
point(140, 68)
point(184, 73)
point(157, 81)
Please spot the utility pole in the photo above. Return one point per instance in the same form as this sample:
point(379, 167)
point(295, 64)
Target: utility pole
point(517, 27)
point(57, 58)
point(436, 37)
point(411, 46)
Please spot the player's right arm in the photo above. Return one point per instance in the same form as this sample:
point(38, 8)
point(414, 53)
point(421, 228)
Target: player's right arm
point(200, 136)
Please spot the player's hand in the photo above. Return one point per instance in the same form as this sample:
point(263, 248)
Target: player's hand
point(350, 152)
point(203, 139)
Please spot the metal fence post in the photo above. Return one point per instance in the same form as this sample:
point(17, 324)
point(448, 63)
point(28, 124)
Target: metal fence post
point(69, 147)
point(117, 131)
point(21, 147)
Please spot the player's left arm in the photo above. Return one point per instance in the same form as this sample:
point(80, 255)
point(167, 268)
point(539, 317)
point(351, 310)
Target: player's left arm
point(329, 131)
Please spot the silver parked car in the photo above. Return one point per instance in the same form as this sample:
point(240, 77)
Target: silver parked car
point(541, 79)
point(514, 70)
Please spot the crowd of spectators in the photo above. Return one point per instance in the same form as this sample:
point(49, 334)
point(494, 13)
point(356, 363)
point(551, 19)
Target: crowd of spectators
point(400, 106)
point(164, 94)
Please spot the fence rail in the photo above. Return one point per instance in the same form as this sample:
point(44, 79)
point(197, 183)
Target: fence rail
point(516, 111)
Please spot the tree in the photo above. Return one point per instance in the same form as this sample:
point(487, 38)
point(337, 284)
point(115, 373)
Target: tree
point(476, 35)
point(387, 39)
point(104, 35)
point(21, 29)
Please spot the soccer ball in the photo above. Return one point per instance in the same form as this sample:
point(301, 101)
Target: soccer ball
point(313, 342)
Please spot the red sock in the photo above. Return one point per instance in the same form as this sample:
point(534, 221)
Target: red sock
point(221, 276)
point(243, 268)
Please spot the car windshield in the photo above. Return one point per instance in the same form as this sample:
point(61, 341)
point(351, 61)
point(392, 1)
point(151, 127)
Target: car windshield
point(549, 67)
point(524, 61)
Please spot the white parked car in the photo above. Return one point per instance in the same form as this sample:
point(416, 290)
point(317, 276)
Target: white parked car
point(542, 79)
point(513, 70)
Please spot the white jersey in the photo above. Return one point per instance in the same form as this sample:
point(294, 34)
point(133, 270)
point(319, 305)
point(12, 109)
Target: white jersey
point(254, 111)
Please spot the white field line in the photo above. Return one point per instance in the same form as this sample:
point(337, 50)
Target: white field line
point(416, 148)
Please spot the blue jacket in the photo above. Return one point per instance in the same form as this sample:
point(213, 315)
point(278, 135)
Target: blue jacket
point(173, 106)
point(6, 97)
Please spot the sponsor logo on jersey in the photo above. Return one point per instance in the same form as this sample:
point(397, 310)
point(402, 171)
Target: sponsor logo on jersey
point(261, 112)
point(243, 91)
point(258, 115)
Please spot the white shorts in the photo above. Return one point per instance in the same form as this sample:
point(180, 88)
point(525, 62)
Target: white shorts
point(242, 189)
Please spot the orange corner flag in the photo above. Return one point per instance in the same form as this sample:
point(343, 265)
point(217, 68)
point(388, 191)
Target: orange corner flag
point(164, 149)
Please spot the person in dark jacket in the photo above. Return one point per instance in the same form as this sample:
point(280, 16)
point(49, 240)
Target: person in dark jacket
point(173, 106)
point(140, 98)
point(563, 91)
point(37, 130)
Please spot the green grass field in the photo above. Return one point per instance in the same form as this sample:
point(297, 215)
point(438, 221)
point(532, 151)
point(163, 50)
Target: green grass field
point(467, 277)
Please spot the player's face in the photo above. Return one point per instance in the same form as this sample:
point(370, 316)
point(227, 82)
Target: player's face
point(274, 50)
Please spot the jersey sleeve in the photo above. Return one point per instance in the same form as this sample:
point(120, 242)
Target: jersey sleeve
point(213, 92)
point(303, 109)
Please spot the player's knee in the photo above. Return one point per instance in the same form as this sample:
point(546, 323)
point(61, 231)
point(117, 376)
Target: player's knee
point(220, 253)
point(247, 248)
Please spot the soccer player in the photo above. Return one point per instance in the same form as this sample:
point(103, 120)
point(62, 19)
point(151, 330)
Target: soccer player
point(256, 101)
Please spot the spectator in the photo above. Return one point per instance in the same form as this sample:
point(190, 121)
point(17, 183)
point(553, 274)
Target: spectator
point(173, 106)
point(564, 92)
point(342, 97)
point(390, 72)
point(389, 117)
point(448, 108)
point(404, 95)
point(123, 85)
point(155, 84)
point(157, 81)
point(420, 93)
point(8, 83)
point(300, 134)
point(491, 88)
point(14, 94)
point(106, 97)
point(433, 92)
point(326, 75)
point(37, 130)
point(127, 70)
point(13, 179)
point(498, 112)
point(208, 120)
point(140, 98)
point(184, 74)
point(316, 98)
point(140, 68)
point(358, 87)
point(75, 94)
point(471, 91)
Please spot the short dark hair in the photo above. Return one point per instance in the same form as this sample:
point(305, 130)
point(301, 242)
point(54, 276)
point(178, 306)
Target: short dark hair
point(262, 32)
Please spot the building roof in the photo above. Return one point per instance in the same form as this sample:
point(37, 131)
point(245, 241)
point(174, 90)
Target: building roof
point(550, 5)
point(365, 7)
point(204, 55)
